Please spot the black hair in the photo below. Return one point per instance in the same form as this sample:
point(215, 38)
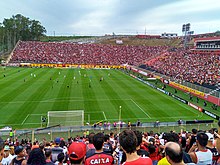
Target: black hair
point(202, 139)
point(151, 148)
point(76, 161)
point(175, 156)
point(111, 133)
point(171, 137)
point(36, 157)
point(139, 137)
point(91, 135)
point(194, 131)
point(98, 141)
point(106, 138)
point(48, 152)
point(128, 141)
point(60, 157)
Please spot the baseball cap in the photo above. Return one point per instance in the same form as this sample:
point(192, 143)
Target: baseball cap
point(6, 148)
point(57, 140)
point(210, 136)
point(77, 150)
point(18, 149)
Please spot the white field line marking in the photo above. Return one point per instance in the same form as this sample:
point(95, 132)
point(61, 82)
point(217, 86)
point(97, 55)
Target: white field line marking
point(64, 100)
point(36, 114)
point(140, 108)
point(31, 123)
point(25, 119)
point(92, 112)
point(104, 115)
point(154, 118)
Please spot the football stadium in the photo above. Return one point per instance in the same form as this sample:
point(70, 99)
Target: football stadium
point(64, 91)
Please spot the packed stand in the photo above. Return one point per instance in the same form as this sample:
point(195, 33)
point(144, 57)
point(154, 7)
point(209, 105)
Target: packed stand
point(199, 68)
point(70, 53)
point(127, 148)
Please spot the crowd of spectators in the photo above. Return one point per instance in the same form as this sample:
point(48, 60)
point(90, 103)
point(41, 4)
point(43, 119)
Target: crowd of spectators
point(130, 147)
point(200, 68)
point(180, 64)
point(71, 53)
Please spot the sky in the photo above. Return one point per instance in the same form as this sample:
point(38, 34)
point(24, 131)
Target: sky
point(131, 17)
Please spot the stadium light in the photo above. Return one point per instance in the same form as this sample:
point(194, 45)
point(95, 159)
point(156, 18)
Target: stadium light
point(186, 31)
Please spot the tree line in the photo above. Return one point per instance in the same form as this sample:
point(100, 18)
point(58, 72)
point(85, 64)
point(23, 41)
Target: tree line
point(17, 28)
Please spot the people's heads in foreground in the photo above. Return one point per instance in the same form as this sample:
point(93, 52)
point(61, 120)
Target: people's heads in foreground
point(77, 151)
point(128, 141)
point(173, 153)
point(202, 139)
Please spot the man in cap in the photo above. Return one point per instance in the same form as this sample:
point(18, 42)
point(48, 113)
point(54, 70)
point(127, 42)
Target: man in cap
point(212, 148)
point(7, 156)
point(76, 152)
point(20, 153)
point(56, 149)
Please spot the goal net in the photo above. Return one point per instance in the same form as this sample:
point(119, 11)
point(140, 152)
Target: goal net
point(66, 118)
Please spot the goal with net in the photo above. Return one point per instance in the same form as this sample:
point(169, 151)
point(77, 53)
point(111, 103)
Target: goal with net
point(66, 118)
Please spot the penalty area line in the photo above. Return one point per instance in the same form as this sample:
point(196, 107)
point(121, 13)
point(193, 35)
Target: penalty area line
point(104, 115)
point(25, 119)
point(140, 108)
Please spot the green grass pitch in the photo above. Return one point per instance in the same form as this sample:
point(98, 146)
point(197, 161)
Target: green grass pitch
point(24, 98)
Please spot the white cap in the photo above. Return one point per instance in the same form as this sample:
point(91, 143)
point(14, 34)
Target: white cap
point(210, 136)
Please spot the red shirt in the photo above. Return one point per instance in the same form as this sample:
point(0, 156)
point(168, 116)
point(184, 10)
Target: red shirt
point(100, 158)
point(140, 161)
point(154, 156)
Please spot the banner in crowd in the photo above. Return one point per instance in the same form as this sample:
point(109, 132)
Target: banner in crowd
point(187, 89)
point(73, 66)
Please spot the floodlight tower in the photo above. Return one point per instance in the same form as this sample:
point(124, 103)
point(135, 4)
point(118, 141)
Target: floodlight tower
point(185, 30)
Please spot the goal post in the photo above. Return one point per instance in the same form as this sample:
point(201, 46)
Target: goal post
point(65, 118)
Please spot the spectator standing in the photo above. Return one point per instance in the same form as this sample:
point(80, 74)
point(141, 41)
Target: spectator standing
point(90, 148)
point(48, 154)
point(99, 157)
point(2, 144)
point(112, 140)
point(7, 156)
point(36, 157)
point(198, 152)
point(56, 149)
point(192, 138)
point(107, 145)
point(20, 153)
point(138, 124)
point(60, 159)
point(212, 148)
point(174, 153)
point(128, 142)
point(77, 152)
